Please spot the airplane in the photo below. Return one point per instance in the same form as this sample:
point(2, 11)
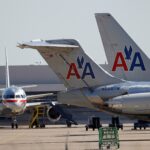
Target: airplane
point(15, 101)
point(88, 84)
point(125, 59)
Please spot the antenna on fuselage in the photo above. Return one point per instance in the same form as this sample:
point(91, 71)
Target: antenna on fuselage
point(7, 71)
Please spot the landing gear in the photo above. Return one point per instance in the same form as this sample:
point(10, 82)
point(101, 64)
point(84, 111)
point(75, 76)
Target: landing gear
point(14, 123)
point(93, 123)
point(115, 122)
point(141, 124)
point(68, 123)
point(14, 126)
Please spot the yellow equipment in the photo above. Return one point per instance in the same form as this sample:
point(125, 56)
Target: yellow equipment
point(38, 116)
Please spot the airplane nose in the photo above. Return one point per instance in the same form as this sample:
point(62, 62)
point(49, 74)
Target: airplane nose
point(14, 105)
point(10, 103)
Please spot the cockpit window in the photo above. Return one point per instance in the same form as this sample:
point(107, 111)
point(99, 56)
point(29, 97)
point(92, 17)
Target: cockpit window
point(18, 96)
point(23, 96)
point(9, 96)
point(12, 93)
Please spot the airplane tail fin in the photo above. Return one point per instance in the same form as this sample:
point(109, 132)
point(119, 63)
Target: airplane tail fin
point(117, 43)
point(7, 71)
point(68, 60)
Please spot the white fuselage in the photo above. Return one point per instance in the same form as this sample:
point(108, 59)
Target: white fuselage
point(14, 99)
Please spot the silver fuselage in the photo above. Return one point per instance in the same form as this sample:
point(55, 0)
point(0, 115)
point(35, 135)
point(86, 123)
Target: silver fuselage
point(129, 98)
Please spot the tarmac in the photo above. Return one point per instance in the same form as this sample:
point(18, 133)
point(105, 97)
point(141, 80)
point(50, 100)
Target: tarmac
point(59, 137)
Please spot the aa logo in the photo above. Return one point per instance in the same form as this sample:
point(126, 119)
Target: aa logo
point(120, 60)
point(81, 65)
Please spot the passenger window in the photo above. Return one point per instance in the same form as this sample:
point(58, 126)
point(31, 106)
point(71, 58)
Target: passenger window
point(17, 96)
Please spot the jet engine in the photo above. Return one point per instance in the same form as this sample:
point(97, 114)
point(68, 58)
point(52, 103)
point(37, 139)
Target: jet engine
point(133, 104)
point(53, 114)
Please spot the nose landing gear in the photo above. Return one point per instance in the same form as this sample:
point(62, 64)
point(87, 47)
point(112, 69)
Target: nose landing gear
point(14, 123)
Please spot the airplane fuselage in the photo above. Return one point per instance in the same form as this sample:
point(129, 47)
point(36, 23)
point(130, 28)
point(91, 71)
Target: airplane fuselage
point(13, 101)
point(122, 98)
point(126, 87)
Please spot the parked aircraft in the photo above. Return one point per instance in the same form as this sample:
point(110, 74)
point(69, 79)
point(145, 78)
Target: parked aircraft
point(125, 59)
point(89, 85)
point(15, 101)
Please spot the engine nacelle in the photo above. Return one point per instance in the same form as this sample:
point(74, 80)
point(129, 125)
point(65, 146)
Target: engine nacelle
point(131, 104)
point(52, 114)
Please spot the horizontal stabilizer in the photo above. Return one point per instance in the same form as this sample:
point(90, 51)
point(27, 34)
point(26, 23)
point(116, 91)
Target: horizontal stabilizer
point(58, 45)
point(71, 64)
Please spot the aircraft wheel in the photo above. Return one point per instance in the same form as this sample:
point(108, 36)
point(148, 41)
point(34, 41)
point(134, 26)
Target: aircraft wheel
point(134, 127)
point(12, 125)
point(16, 126)
point(68, 123)
point(42, 126)
point(86, 128)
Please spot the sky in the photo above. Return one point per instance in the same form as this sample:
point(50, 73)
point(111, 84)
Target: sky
point(25, 20)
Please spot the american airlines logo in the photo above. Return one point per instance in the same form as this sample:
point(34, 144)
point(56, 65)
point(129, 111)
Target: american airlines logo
point(81, 65)
point(120, 60)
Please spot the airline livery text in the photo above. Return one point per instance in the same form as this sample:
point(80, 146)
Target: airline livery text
point(74, 69)
point(120, 60)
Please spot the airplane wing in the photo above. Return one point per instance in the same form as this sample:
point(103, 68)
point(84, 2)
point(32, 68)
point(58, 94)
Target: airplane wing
point(22, 86)
point(34, 104)
point(31, 97)
point(2, 89)
point(27, 86)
